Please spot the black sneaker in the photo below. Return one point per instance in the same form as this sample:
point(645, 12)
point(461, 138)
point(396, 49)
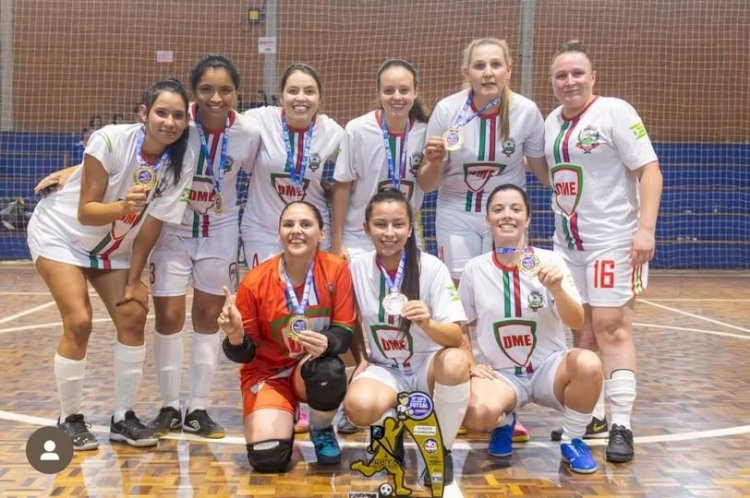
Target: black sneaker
point(597, 429)
point(345, 426)
point(620, 446)
point(168, 419)
point(78, 432)
point(198, 422)
point(447, 475)
point(399, 453)
point(132, 431)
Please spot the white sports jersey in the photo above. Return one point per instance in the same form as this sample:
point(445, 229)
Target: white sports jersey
point(271, 186)
point(517, 322)
point(592, 159)
point(384, 341)
point(109, 246)
point(201, 218)
point(485, 160)
point(363, 161)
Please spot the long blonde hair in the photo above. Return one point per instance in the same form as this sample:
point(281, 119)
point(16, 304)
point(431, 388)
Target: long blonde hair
point(504, 124)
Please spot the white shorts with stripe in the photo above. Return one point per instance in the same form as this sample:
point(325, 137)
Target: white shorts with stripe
point(460, 237)
point(398, 380)
point(537, 387)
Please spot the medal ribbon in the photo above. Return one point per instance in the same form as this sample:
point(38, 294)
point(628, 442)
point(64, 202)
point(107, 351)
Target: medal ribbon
point(299, 306)
point(395, 172)
point(461, 120)
point(509, 250)
point(207, 154)
point(297, 179)
point(139, 153)
point(394, 286)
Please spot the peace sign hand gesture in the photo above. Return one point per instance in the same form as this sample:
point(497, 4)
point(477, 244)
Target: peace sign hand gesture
point(230, 319)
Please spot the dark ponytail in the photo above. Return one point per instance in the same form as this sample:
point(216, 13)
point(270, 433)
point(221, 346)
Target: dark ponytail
point(177, 149)
point(410, 284)
point(418, 111)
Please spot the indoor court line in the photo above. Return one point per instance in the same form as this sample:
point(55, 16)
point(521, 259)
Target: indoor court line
point(688, 329)
point(27, 312)
point(692, 315)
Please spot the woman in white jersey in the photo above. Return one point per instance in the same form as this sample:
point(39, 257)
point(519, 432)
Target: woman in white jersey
point(99, 228)
point(477, 139)
point(296, 142)
point(410, 316)
point(380, 150)
point(601, 163)
point(519, 299)
point(202, 250)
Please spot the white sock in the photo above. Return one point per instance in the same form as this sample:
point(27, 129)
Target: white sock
point(204, 354)
point(69, 375)
point(320, 419)
point(620, 392)
point(450, 408)
point(168, 354)
point(128, 365)
point(574, 424)
point(504, 419)
point(600, 411)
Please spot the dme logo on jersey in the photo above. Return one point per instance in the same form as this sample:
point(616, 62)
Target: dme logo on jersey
point(405, 186)
point(476, 175)
point(393, 344)
point(286, 190)
point(588, 139)
point(517, 339)
point(567, 181)
point(201, 196)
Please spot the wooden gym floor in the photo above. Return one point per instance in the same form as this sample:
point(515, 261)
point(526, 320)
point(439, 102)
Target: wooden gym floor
point(691, 420)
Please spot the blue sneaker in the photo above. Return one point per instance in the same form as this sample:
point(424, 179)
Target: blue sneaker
point(577, 454)
point(326, 445)
point(501, 440)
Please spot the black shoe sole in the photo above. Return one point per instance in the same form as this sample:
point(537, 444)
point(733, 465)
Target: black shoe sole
point(619, 457)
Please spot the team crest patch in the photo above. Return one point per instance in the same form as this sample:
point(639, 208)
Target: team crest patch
point(393, 343)
point(536, 301)
point(588, 139)
point(228, 163)
point(476, 175)
point(405, 186)
point(517, 339)
point(509, 147)
point(567, 182)
point(414, 161)
point(286, 190)
point(201, 196)
point(314, 163)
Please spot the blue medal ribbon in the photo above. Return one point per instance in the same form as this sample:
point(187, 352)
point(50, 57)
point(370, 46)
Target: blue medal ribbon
point(297, 178)
point(394, 286)
point(509, 250)
point(299, 306)
point(139, 153)
point(462, 120)
point(207, 154)
point(395, 172)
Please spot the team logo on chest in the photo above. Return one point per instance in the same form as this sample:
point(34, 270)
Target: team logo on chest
point(414, 161)
point(228, 163)
point(517, 339)
point(286, 190)
point(509, 147)
point(476, 175)
point(567, 181)
point(405, 186)
point(536, 301)
point(201, 196)
point(314, 162)
point(588, 139)
point(392, 343)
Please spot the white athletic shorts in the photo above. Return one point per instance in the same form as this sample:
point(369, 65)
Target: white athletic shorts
point(398, 380)
point(460, 237)
point(605, 277)
point(539, 387)
point(209, 262)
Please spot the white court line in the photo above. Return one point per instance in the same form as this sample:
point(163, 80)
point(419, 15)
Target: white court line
point(459, 445)
point(696, 300)
point(27, 312)
point(687, 329)
point(692, 315)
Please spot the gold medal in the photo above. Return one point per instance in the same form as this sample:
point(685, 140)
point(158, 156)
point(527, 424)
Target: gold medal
point(394, 302)
point(296, 324)
point(453, 138)
point(145, 176)
point(528, 262)
point(218, 203)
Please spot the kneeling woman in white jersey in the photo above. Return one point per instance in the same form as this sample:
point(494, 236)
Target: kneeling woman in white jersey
point(99, 228)
point(519, 298)
point(422, 330)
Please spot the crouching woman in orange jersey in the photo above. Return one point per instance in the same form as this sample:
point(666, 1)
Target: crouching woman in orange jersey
point(291, 318)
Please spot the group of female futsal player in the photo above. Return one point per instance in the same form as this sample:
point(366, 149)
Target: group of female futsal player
point(481, 329)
